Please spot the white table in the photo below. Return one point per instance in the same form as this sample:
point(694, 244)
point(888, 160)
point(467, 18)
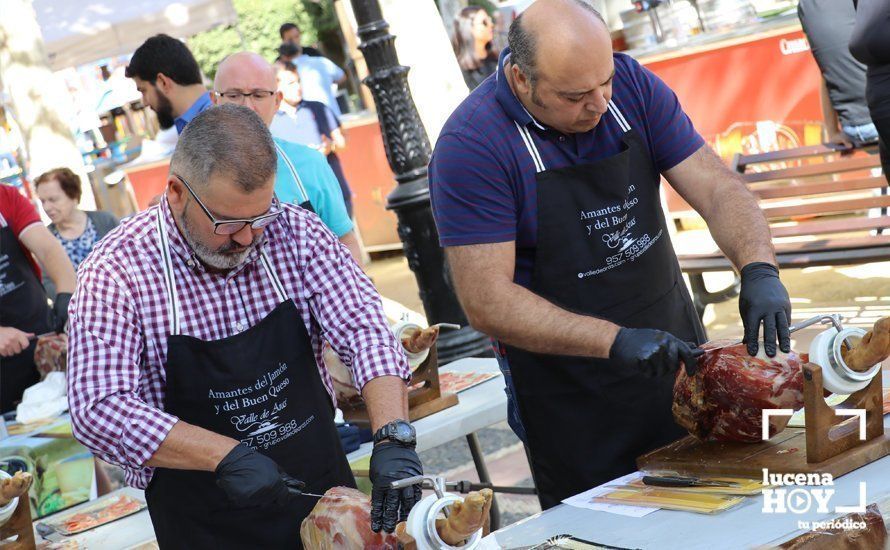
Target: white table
point(478, 407)
point(743, 527)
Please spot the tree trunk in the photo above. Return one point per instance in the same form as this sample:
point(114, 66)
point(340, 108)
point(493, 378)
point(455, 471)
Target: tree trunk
point(40, 100)
point(449, 10)
point(423, 45)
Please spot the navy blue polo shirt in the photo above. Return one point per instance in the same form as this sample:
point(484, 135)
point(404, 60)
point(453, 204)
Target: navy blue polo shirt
point(482, 177)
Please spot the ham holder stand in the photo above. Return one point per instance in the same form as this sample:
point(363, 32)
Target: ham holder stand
point(16, 531)
point(425, 396)
point(836, 440)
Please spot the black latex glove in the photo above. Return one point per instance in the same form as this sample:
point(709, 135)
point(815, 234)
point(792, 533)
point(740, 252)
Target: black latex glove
point(392, 461)
point(250, 478)
point(763, 298)
point(60, 311)
point(653, 352)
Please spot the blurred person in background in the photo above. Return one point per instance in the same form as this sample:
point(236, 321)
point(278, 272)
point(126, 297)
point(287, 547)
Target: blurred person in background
point(828, 26)
point(24, 310)
point(59, 192)
point(303, 177)
point(169, 79)
point(290, 32)
point(310, 123)
point(870, 44)
point(319, 75)
point(472, 43)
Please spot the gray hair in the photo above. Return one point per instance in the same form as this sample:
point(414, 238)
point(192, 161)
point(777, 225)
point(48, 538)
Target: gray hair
point(228, 139)
point(523, 45)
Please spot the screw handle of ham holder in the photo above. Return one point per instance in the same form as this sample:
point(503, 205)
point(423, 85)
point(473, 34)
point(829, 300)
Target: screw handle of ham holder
point(825, 437)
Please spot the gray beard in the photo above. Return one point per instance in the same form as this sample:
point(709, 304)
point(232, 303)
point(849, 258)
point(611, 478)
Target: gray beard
point(223, 261)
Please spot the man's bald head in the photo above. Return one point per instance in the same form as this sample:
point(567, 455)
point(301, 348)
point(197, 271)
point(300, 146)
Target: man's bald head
point(553, 29)
point(248, 72)
point(561, 64)
point(241, 64)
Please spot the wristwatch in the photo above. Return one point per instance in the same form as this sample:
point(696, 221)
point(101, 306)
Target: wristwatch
point(398, 431)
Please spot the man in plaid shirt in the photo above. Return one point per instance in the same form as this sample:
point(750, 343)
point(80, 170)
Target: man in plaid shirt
point(195, 351)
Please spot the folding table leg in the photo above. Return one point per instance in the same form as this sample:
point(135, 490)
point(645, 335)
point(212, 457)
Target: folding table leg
point(482, 470)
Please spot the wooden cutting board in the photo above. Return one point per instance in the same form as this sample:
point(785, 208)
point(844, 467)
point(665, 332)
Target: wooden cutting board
point(784, 453)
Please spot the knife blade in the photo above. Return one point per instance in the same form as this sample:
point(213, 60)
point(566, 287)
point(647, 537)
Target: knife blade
point(48, 532)
point(682, 481)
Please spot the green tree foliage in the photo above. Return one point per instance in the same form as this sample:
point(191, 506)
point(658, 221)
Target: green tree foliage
point(258, 21)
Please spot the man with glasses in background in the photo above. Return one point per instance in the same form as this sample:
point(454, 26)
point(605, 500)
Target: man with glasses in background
point(195, 352)
point(304, 176)
point(167, 75)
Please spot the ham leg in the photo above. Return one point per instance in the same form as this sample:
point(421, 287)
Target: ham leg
point(725, 399)
point(342, 521)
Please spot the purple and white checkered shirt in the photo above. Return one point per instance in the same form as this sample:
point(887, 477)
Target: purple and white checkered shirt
point(119, 323)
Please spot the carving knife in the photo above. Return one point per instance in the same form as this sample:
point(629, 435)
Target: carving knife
point(681, 481)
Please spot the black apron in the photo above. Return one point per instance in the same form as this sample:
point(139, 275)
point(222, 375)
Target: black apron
point(23, 306)
point(262, 387)
point(603, 250)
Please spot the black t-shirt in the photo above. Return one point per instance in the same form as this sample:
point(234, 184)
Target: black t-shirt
point(828, 25)
point(870, 44)
point(474, 77)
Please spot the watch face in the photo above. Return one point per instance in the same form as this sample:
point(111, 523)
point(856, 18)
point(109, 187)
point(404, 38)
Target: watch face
point(404, 431)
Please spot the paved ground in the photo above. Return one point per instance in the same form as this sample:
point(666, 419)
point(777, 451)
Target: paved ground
point(860, 293)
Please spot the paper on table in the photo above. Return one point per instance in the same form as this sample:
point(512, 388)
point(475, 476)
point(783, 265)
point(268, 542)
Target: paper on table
point(584, 500)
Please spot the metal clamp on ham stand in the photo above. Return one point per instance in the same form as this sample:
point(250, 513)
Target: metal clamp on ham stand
point(829, 431)
point(421, 524)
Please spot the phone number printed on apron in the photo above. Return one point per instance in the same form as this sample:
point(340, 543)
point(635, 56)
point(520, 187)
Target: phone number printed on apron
point(254, 410)
point(613, 225)
point(634, 250)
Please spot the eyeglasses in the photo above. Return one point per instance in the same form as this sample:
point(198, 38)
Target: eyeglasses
point(230, 227)
point(239, 97)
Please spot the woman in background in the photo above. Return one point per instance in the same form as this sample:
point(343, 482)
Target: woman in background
point(472, 42)
point(59, 191)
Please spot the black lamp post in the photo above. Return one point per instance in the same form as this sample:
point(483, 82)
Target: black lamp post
point(408, 153)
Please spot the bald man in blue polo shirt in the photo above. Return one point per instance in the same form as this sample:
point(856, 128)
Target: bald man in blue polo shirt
point(545, 189)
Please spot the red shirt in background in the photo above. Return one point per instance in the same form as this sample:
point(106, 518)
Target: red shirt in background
point(17, 213)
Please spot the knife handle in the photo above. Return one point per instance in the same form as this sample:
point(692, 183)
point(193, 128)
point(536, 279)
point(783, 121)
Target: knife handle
point(669, 481)
point(44, 530)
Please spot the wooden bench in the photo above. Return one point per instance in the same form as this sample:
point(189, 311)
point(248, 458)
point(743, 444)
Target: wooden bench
point(820, 205)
